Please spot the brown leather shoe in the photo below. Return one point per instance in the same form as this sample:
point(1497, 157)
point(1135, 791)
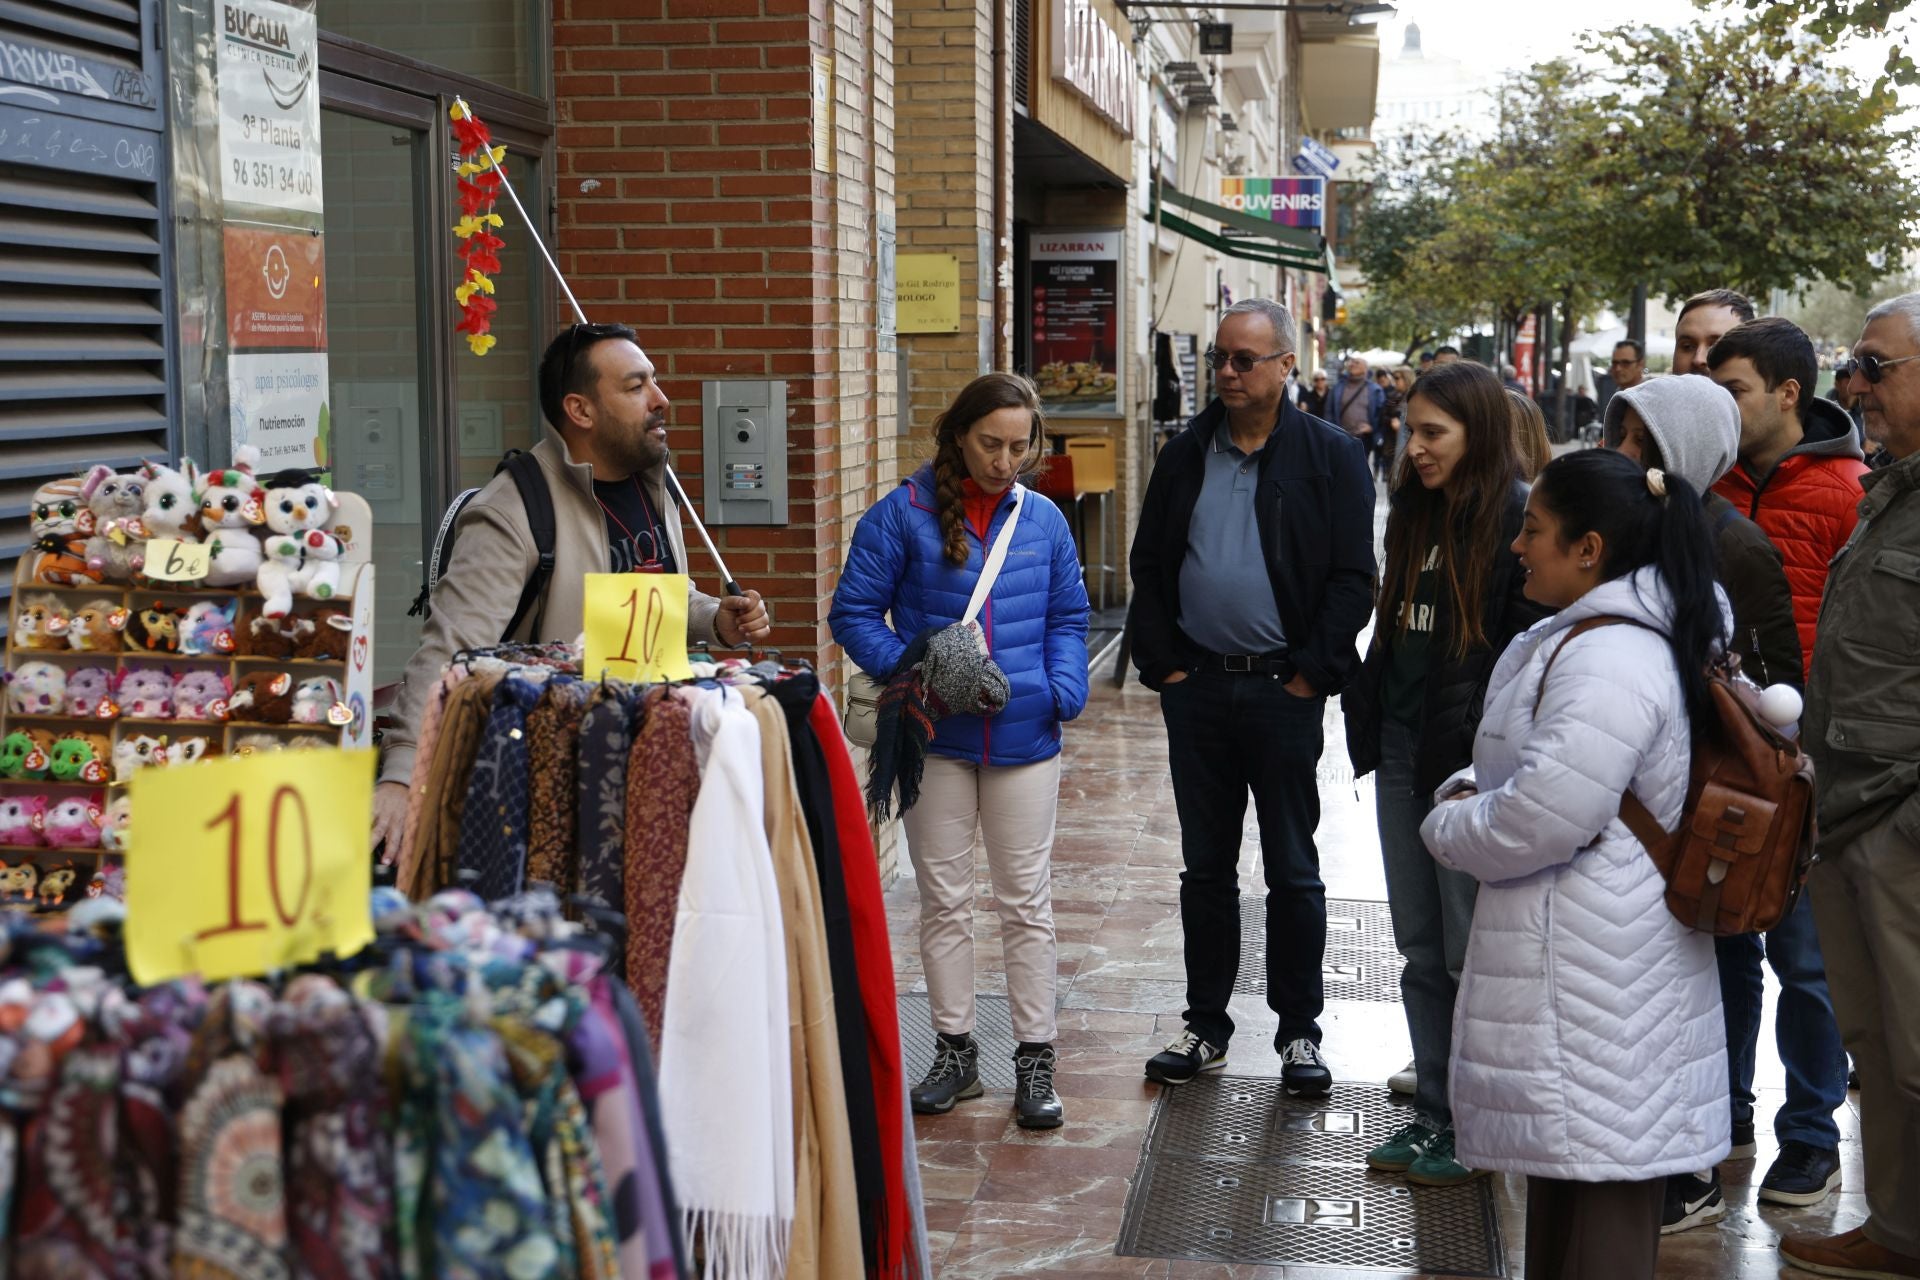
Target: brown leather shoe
point(1851, 1255)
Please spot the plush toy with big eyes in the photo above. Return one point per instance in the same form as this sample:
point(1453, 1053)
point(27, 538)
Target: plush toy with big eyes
point(113, 826)
point(90, 693)
point(42, 623)
point(264, 637)
point(97, 627)
point(256, 744)
point(169, 510)
point(230, 511)
point(207, 630)
point(80, 758)
point(318, 701)
point(154, 629)
point(146, 695)
point(135, 752)
point(116, 546)
point(301, 555)
point(188, 751)
point(37, 689)
point(53, 521)
point(75, 823)
point(326, 635)
point(56, 885)
point(26, 755)
point(201, 695)
point(20, 821)
point(18, 881)
point(264, 697)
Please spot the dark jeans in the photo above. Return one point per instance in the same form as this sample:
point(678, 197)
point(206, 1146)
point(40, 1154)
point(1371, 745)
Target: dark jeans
point(1593, 1230)
point(1432, 909)
point(1804, 1028)
point(1228, 735)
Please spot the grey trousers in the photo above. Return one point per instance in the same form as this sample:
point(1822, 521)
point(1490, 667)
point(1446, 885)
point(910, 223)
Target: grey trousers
point(1593, 1230)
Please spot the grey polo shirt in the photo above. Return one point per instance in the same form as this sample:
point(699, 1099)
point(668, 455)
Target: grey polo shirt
point(1226, 598)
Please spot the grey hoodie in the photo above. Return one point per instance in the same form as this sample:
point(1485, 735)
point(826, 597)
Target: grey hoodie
point(1694, 420)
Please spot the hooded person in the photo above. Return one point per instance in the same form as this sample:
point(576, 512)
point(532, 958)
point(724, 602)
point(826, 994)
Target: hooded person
point(1690, 427)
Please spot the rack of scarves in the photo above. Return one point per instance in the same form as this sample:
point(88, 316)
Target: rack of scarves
point(472, 1096)
point(722, 821)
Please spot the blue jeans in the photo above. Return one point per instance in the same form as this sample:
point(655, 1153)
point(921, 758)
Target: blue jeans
point(1228, 736)
point(1804, 1028)
point(1432, 909)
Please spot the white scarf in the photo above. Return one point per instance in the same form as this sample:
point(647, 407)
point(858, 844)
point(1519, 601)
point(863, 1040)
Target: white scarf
point(726, 1094)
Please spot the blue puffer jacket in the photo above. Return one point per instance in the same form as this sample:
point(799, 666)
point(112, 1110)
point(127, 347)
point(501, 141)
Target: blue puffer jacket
point(1035, 619)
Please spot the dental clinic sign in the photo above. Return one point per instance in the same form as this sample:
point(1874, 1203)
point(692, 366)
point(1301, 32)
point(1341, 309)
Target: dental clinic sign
point(1289, 202)
point(269, 106)
point(1095, 61)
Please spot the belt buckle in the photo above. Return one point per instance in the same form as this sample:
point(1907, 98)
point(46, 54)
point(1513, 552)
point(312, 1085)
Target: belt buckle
point(1236, 663)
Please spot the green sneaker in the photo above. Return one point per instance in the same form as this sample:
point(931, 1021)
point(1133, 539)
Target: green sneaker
point(1398, 1153)
point(1436, 1166)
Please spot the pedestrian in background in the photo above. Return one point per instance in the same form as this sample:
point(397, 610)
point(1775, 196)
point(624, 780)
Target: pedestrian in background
point(1589, 1051)
point(1314, 400)
point(1392, 418)
point(1354, 403)
point(1704, 319)
point(1533, 451)
point(1452, 597)
point(1859, 727)
point(916, 559)
point(1252, 574)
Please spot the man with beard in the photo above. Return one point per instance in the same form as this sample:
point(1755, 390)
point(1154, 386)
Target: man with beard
point(603, 462)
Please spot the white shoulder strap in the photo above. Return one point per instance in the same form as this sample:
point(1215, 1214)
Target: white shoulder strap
point(996, 557)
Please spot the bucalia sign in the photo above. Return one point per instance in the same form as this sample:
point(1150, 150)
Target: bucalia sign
point(1093, 60)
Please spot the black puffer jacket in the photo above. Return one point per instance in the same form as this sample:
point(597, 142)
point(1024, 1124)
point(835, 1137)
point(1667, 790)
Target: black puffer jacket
point(1456, 688)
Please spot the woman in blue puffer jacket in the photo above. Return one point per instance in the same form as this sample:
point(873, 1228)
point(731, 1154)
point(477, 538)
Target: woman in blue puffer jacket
point(916, 557)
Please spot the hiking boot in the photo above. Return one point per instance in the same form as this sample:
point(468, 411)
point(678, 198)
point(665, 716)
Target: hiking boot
point(1405, 1080)
point(1184, 1059)
point(1035, 1104)
point(1303, 1072)
point(954, 1076)
point(1851, 1254)
point(1436, 1166)
point(1400, 1150)
point(1693, 1200)
point(1802, 1175)
point(1743, 1144)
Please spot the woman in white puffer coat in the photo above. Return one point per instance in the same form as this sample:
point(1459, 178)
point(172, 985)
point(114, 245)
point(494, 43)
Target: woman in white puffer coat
point(1589, 1050)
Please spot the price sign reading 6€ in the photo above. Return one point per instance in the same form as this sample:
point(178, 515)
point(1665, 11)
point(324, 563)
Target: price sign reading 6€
point(637, 626)
point(171, 560)
point(241, 865)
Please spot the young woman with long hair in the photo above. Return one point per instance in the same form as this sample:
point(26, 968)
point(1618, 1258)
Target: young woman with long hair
point(1530, 437)
point(917, 556)
point(1590, 1051)
point(1450, 600)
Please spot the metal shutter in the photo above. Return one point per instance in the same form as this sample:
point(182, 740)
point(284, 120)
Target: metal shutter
point(1023, 54)
point(85, 325)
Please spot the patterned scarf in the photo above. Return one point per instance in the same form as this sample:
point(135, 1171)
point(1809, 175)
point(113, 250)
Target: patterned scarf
point(606, 740)
point(666, 781)
point(553, 729)
point(493, 829)
point(406, 857)
point(898, 757)
point(461, 726)
point(67, 1225)
point(562, 1140)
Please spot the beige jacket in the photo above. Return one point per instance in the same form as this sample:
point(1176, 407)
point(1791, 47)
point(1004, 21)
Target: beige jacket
point(494, 555)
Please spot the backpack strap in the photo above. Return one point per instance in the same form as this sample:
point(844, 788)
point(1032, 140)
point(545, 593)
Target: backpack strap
point(442, 553)
point(532, 483)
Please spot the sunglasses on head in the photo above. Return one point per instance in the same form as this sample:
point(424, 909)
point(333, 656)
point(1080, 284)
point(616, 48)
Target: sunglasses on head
point(1241, 362)
point(1872, 368)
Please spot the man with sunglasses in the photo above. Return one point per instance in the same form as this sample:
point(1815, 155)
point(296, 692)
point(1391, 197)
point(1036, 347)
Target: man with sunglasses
point(603, 464)
point(1252, 574)
point(1861, 729)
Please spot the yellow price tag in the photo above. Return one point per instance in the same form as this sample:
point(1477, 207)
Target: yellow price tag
point(171, 560)
point(637, 626)
point(246, 864)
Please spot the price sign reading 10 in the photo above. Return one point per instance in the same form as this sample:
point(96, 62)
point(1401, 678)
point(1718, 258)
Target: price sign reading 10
point(241, 865)
point(636, 625)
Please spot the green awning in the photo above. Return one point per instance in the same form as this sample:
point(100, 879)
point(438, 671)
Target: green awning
point(1273, 244)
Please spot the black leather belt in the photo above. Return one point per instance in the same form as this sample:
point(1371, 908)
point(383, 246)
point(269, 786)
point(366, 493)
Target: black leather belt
point(1247, 664)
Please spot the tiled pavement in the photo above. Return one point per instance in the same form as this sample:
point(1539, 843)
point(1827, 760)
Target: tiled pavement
point(1004, 1202)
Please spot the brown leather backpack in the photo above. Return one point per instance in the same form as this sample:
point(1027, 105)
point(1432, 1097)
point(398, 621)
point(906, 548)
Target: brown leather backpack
point(1746, 837)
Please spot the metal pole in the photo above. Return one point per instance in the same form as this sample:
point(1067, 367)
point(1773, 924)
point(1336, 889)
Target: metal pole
point(580, 317)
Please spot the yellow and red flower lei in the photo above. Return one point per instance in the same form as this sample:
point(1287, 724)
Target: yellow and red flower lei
point(480, 176)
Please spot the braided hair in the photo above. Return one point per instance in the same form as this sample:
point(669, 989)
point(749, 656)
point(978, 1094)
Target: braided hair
point(984, 395)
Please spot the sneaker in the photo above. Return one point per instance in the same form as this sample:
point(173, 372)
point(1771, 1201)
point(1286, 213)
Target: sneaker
point(1436, 1166)
point(1851, 1254)
point(954, 1076)
point(1404, 1081)
point(1693, 1200)
point(1401, 1150)
point(1184, 1059)
point(1035, 1104)
point(1303, 1071)
point(1743, 1144)
point(1804, 1174)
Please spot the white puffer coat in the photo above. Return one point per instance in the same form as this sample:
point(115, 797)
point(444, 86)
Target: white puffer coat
point(1588, 1039)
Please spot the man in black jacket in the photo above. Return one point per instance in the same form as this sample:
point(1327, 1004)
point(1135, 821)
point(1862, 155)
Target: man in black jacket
point(1253, 572)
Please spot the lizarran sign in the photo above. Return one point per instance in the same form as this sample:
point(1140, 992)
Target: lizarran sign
point(1095, 61)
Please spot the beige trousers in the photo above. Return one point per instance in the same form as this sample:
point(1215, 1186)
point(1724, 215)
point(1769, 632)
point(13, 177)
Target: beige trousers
point(1013, 809)
point(1864, 902)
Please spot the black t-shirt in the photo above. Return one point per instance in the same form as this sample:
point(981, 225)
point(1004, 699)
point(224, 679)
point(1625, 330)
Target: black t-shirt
point(1410, 649)
point(636, 539)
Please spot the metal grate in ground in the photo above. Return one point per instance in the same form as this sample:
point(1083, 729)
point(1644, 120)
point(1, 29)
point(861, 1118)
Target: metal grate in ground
point(1236, 1171)
point(992, 1031)
point(1360, 962)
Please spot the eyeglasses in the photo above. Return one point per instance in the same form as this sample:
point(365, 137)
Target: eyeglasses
point(573, 346)
point(1872, 368)
point(1241, 362)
